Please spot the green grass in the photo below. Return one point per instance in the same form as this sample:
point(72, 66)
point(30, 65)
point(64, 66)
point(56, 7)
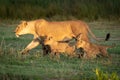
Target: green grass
point(35, 66)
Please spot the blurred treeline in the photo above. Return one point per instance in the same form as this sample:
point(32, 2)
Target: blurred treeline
point(79, 9)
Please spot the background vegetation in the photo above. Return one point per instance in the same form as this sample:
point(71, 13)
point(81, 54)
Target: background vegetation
point(64, 9)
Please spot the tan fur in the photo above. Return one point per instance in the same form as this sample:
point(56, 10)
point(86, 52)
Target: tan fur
point(58, 30)
point(58, 47)
point(92, 50)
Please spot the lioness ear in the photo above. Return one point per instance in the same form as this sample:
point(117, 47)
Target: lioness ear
point(24, 23)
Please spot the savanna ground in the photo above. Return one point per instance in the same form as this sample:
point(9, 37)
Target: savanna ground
point(35, 66)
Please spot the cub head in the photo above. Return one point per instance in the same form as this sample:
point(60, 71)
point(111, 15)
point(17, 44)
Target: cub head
point(21, 29)
point(49, 40)
point(79, 42)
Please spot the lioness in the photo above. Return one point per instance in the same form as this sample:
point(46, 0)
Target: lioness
point(41, 28)
point(92, 50)
point(59, 47)
point(57, 29)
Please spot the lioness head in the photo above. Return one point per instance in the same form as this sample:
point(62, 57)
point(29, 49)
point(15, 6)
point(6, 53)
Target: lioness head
point(20, 30)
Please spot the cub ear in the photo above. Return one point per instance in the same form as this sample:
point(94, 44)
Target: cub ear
point(79, 36)
point(50, 37)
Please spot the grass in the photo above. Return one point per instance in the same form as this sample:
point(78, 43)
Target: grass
point(35, 66)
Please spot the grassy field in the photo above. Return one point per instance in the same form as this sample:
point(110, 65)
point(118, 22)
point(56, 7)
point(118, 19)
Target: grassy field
point(35, 66)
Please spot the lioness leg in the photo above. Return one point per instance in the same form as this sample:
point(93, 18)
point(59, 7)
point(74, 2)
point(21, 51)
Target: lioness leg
point(30, 46)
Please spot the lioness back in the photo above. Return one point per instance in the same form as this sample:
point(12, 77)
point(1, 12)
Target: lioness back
point(58, 30)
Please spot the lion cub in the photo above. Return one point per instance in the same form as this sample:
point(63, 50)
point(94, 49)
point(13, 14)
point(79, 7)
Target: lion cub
point(59, 47)
point(92, 50)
